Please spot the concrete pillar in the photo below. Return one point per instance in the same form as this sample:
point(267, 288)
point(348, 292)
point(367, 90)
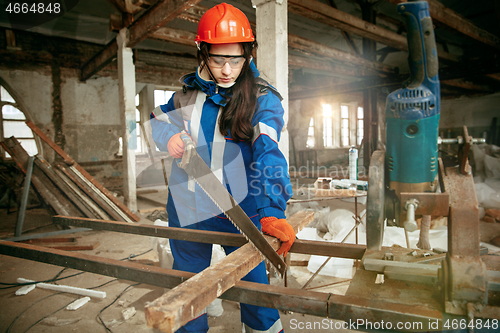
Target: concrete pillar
point(126, 90)
point(272, 54)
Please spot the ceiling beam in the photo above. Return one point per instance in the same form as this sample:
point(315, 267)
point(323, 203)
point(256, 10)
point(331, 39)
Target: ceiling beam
point(351, 65)
point(154, 18)
point(325, 14)
point(349, 59)
point(175, 36)
point(452, 19)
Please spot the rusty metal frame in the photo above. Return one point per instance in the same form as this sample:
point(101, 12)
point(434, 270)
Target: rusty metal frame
point(347, 308)
point(350, 309)
point(348, 251)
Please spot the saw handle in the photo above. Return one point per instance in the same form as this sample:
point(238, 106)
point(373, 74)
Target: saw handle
point(188, 146)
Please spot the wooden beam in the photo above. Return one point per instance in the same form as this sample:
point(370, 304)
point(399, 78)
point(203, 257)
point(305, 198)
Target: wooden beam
point(99, 61)
point(159, 15)
point(347, 87)
point(302, 44)
point(176, 36)
point(155, 17)
point(325, 14)
point(183, 303)
point(457, 22)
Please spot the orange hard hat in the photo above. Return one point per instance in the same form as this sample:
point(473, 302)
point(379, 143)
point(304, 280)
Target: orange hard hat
point(224, 24)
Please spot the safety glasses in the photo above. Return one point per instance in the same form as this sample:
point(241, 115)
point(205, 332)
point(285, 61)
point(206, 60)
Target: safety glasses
point(219, 60)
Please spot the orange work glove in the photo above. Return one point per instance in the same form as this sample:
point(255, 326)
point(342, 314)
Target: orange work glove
point(280, 229)
point(175, 146)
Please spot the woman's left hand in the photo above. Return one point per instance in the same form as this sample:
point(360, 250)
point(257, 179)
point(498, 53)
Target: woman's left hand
point(280, 229)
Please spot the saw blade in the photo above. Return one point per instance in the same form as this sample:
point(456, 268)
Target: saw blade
point(196, 167)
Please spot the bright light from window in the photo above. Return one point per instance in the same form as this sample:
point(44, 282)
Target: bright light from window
point(327, 111)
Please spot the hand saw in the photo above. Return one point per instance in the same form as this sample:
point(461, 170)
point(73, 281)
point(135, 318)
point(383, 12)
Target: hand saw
point(196, 167)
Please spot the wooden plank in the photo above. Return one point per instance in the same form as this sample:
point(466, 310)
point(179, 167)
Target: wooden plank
point(64, 188)
point(441, 14)
point(184, 302)
point(68, 160)
point(89, 196)
point(47, 190)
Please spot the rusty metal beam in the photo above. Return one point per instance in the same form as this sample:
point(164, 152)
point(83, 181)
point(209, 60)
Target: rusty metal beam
point(441, 14)
point(349, 251)
point(155, 17)
point(347, 308)
point(186, 301)
point(201, 236)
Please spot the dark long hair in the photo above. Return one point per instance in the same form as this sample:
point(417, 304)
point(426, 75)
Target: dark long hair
point(237, 115)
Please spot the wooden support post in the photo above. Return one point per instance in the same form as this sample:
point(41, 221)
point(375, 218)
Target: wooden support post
point(126, 91)
point(186, 301)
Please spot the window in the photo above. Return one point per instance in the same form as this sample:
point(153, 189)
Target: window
point(14, 124)
point(310, 134)
point(162, 96)
point(327, 125)
point(344, 125)
point(360, 128)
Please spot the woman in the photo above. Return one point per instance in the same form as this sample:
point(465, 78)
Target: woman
point(235, 119)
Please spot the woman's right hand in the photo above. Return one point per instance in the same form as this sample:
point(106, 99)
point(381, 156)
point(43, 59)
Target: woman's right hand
point(175, 146)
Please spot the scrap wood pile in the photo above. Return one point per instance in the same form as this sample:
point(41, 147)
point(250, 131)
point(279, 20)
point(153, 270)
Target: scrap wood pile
point(65, 186)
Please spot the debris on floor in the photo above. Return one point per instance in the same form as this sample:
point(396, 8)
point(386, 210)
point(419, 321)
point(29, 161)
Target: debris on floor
point(67, 289)
point(78, 303)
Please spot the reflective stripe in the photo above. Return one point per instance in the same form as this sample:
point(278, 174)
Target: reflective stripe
point(160, 115)
point(262, 128)
point(276, 328)
point(218, 147)
point(195, 127)
point(196, 115)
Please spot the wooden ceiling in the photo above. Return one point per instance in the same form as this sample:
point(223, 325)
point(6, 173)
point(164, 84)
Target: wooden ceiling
point(329, 43)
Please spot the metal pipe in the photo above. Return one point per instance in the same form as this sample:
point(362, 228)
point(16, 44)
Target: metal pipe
point(24, 199)
point(410, 224)
point(458, 140)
